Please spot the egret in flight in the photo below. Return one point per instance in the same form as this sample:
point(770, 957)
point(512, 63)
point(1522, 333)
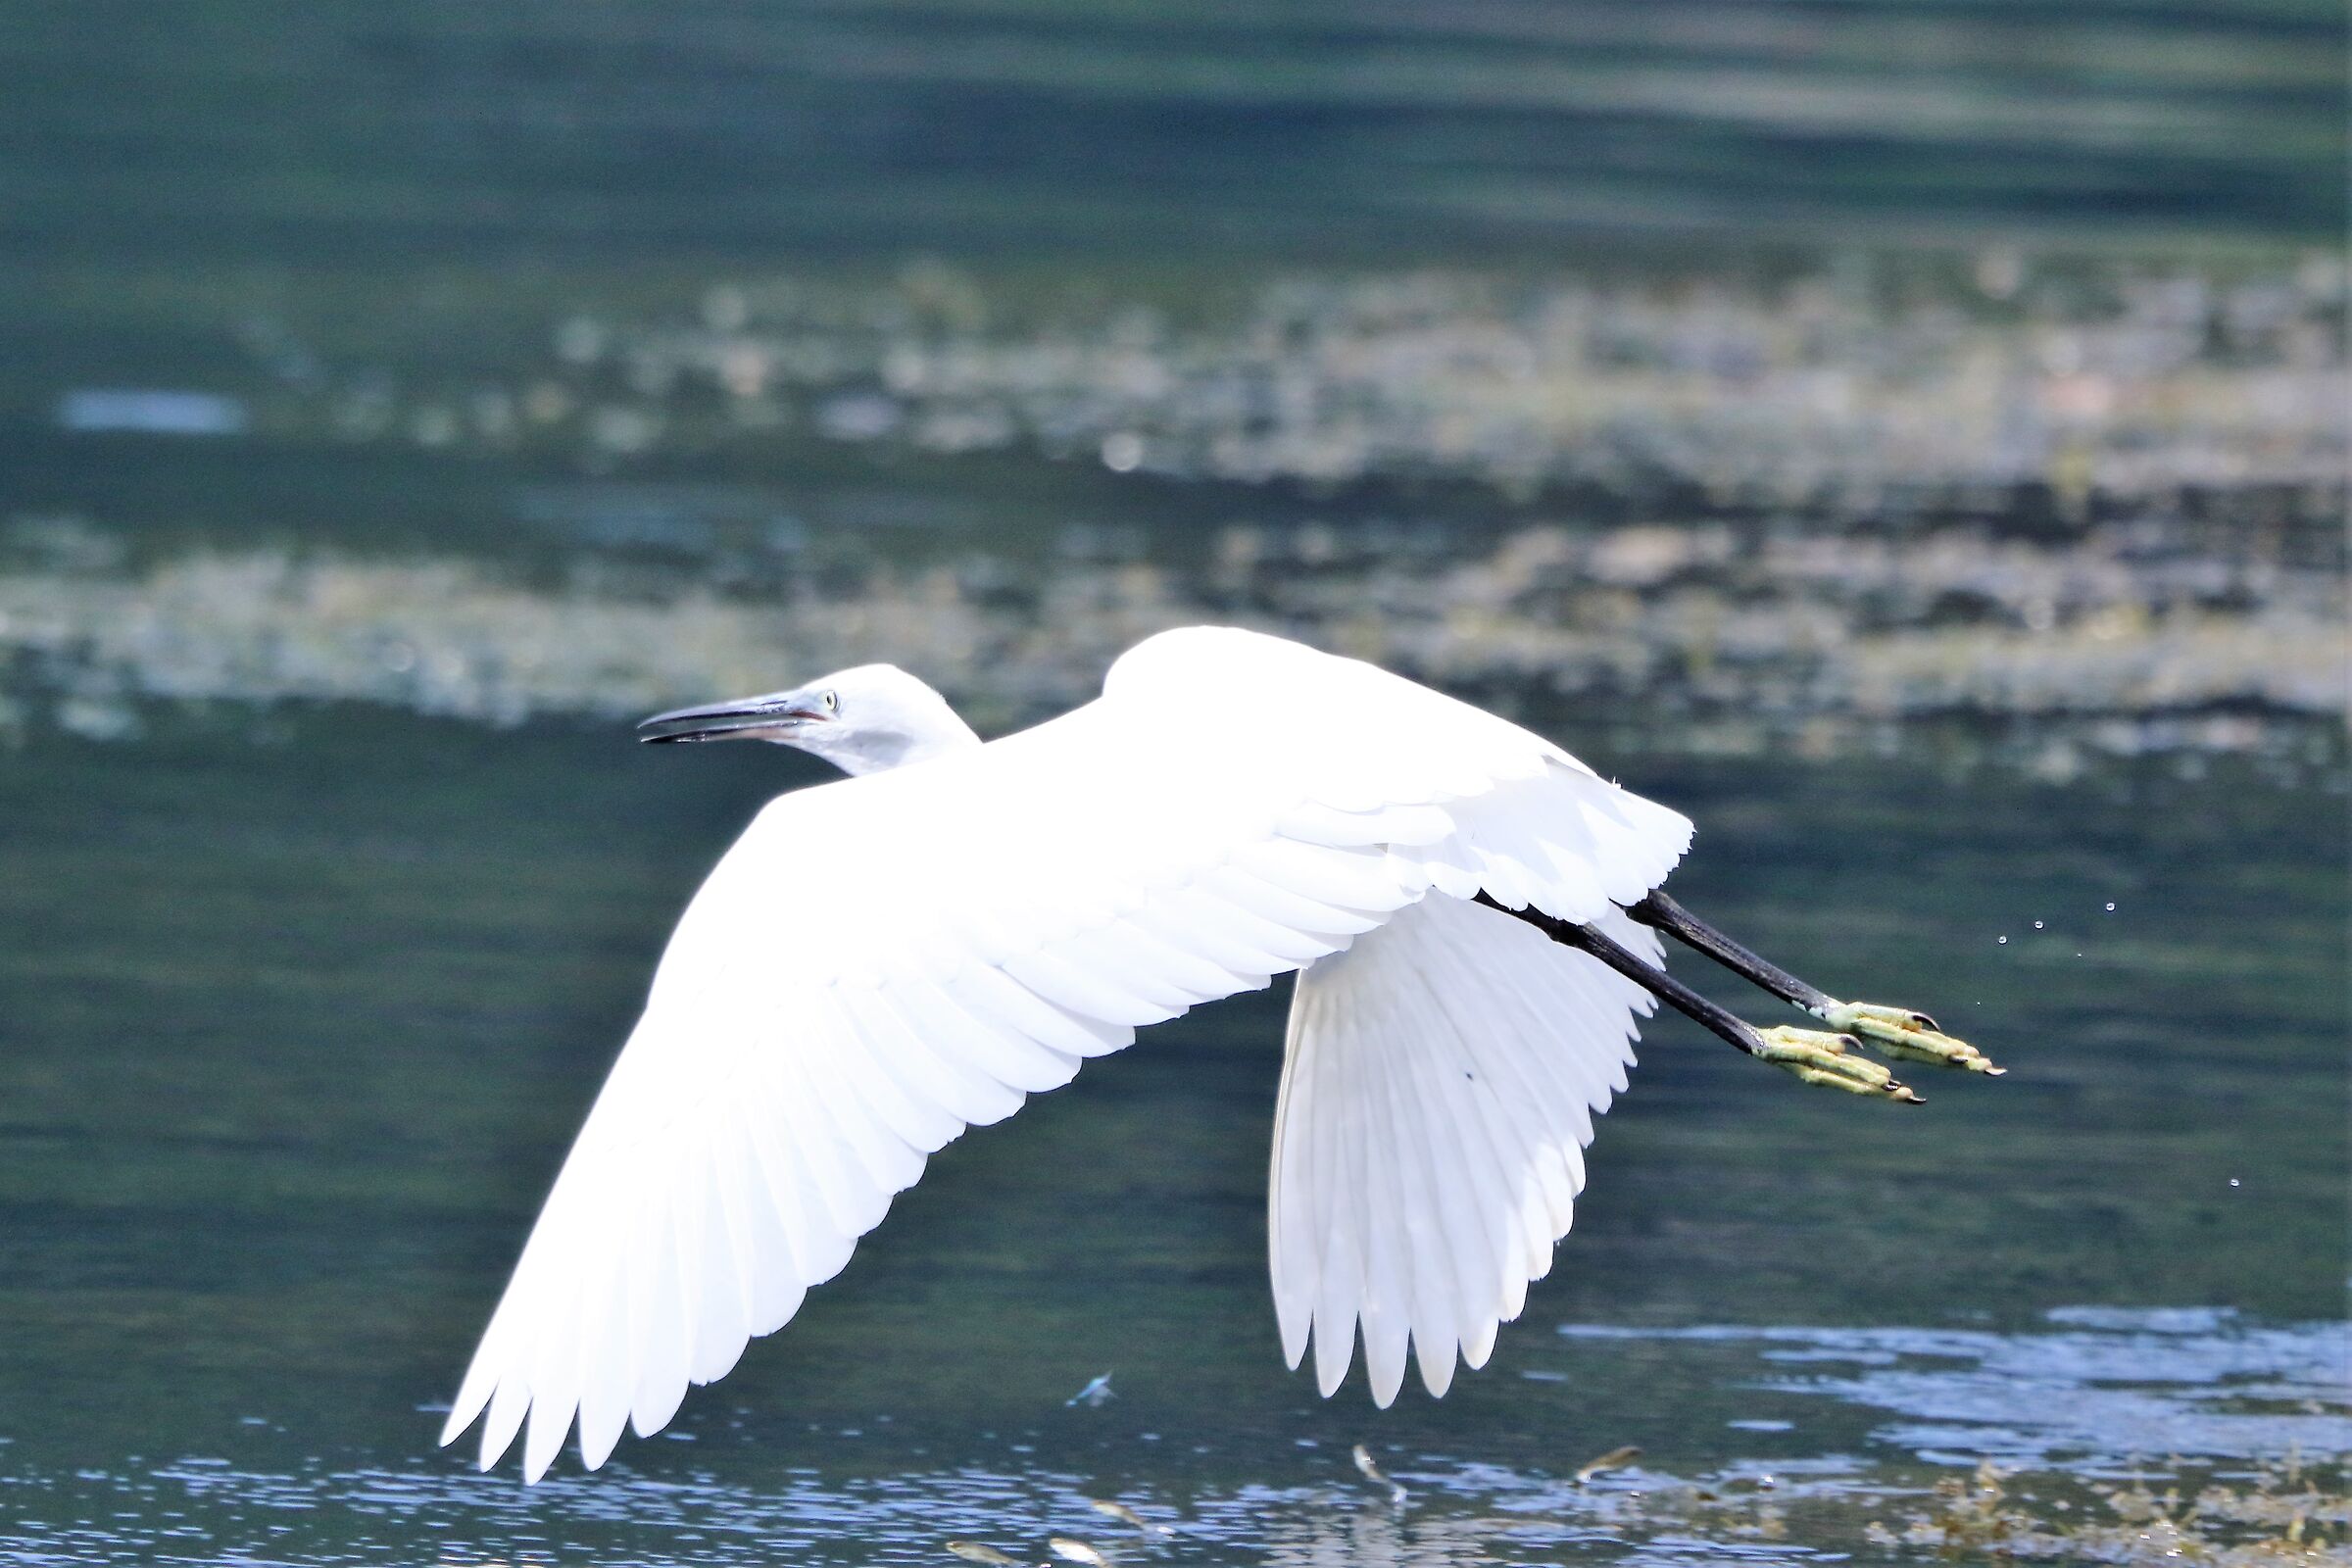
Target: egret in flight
point(886, 960)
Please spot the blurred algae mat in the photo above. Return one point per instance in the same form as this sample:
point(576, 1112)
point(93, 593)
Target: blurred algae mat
point(1792, 369)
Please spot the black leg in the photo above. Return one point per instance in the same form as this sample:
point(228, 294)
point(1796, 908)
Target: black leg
point(1662, 913)
point(1816, 1058)
point(1680, 997)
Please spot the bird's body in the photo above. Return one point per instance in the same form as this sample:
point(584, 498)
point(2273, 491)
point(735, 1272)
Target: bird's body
point(884, 961)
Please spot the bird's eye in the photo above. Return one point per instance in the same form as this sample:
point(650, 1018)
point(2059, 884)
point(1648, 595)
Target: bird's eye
point(832, 702)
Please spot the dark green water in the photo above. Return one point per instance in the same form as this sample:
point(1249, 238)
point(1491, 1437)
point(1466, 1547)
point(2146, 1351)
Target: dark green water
point(300, 1013)
point(415, 129)
point(423, 186)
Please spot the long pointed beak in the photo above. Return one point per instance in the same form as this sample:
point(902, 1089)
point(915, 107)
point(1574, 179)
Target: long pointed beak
point(739, 718)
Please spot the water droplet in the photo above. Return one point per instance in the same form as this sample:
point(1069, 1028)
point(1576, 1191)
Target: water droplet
point(2004, 941)
point(2038, 925)
point(2110, 908)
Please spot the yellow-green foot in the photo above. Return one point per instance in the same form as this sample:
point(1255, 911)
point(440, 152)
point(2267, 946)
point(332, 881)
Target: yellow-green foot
point(1911, 1036)
point(1829, 1060)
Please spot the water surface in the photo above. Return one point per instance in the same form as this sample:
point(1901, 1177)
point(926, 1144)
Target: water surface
point(302, 1009)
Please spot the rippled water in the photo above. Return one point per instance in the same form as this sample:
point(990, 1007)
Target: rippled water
point(2103, 1385)
point(2138, 1382)
point(299, 1011)
point(2102, 1389)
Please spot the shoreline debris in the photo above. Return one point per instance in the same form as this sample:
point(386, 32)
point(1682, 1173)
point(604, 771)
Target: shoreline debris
point(1614, 1459)
point(1373, 1473)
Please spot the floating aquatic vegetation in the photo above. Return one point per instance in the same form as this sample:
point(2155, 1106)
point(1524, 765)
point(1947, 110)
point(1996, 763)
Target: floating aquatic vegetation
point(2283, 1517)
point(1857, 387)
point(1729, 647)
point(2100, 497)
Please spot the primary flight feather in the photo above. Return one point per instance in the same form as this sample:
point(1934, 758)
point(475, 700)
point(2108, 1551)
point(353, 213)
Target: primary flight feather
point(881, 961)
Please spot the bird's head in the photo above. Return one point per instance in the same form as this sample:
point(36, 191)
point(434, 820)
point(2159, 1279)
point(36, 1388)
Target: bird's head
point(861, 721)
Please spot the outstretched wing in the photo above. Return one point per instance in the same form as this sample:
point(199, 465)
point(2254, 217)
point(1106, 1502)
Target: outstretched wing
point(882, 961)
point(1438, 1087)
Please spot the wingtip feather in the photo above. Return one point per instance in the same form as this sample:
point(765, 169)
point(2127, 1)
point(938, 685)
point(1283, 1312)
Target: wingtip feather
point(1335, 1352)
point(473, 1393)
point(459, 1418)
point(544, 1441)
point(508, 1407)
point(1437, 1367)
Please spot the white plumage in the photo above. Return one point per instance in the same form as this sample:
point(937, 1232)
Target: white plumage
point(881, 961)
point(1438, 1087)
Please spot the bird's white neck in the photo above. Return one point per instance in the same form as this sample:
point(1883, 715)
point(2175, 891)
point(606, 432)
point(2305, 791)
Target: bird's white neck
point(915, 732)
point(877, 753)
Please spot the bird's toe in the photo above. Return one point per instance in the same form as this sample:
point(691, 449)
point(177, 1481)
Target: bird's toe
point(1829, 1060)
point(1909, 1036)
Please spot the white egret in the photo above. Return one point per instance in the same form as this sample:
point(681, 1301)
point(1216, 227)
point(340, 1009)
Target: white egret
point(881, 961)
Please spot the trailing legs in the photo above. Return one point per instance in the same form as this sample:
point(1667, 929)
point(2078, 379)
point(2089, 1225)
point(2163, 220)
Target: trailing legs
point(1827, 1058)
point(1900, 1032)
